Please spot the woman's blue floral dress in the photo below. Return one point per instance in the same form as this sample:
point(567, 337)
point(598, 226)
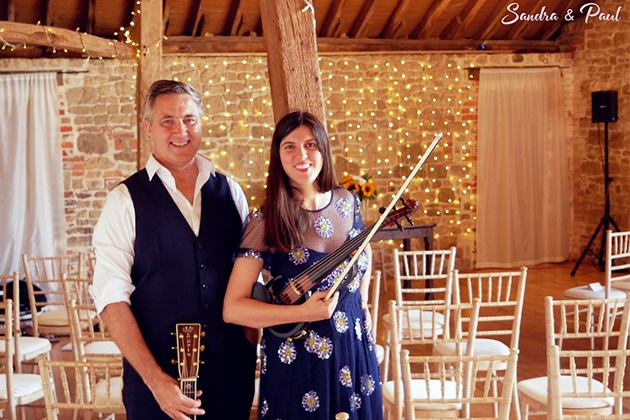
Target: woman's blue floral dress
point(333, 368)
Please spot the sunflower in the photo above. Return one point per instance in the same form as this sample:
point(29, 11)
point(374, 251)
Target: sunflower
point(353, 186)
point(368, 189)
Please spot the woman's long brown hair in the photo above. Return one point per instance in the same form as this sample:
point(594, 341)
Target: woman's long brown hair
point(285, 219)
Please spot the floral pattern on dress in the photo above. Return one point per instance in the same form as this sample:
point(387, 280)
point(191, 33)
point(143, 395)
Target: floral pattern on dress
point(310, 401)
point(255, 255)
point(299, 256)
point(258, 214)
point(341, 322)
point(367, 384)
point(310, 343)
point(324, 347)
point(353, 286)
point(353, 233)
point(287, 352)
point(324, 227)
point(344, 208)
point(327, 282)
point(345, 376)
point(355, 402)
point(357, 329)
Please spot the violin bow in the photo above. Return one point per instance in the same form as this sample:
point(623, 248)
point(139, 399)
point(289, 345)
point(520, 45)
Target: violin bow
point(379, 222)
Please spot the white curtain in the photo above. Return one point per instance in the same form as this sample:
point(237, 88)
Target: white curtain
point(31, 198)
point(522, 181)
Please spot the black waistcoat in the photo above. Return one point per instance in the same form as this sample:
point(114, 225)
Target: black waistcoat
point(180, 277)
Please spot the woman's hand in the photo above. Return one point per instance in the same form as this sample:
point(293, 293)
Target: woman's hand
point(316, 308)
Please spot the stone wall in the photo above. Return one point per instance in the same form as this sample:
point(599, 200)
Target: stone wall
point(382, 111)
point(601, 62)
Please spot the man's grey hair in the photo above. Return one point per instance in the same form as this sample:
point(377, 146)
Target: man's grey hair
point(167, 87)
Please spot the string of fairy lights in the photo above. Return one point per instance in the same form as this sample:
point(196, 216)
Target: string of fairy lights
point(382, 112)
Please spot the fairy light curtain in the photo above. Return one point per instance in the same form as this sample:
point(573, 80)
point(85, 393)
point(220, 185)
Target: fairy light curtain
point(522, 182)
point(31, 201)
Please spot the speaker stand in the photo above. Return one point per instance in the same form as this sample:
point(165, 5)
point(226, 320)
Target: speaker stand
point(607, 221)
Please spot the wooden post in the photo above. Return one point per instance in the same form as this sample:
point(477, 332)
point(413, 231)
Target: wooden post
point(149, 68)
point(294, 78)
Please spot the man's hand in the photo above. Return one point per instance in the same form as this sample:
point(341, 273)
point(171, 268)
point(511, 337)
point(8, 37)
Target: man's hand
point(168, 395)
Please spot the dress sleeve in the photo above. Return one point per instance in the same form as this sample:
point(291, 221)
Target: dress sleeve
point(253, 242)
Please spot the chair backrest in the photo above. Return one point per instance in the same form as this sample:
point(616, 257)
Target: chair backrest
point(617, 267)
point(420, 276)
point(94, 386)
point(6, 358)
point(86, 326)
point(580, 323)
point(11, 290)
point(435, 385)
point(501, 296)
point(375, 295)
point(44, 277)
point(427, 325)
point(601, 372)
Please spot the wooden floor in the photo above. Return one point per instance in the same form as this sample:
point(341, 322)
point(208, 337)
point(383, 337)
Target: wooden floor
point(544, 280)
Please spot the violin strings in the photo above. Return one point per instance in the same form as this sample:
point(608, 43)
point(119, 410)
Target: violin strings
point(316, 270)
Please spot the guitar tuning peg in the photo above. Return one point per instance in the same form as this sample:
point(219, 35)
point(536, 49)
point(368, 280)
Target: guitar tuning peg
point(403, 201)
point(202, 362)
point(173, 362)
point(381, 210)
point(202, 347)
point(172, 332)
point(203, 333)
point(173, 348)
point(409, 221)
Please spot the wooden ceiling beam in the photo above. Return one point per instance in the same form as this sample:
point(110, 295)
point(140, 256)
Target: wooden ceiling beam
point(49, 14)
point(469, 13)
point(433, 13)
point(11, 10)
point(199, 20)
point(395, 20)
point(91, 17)
point(179, 45)
point(45, 36)
point(237, 22)
point(332, 19)
point(362, 22)
point(166, 13)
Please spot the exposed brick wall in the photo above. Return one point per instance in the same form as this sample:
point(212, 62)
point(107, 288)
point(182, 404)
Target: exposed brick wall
point(377, 124)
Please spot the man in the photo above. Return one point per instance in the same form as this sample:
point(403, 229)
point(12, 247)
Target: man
point(164, 246)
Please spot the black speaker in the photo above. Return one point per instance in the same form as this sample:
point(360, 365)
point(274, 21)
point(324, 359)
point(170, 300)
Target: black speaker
point(604, 106)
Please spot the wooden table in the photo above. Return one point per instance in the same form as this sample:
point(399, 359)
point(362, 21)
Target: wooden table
point(405, 235)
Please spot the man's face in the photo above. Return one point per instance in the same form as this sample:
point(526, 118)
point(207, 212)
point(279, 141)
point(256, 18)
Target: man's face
point(175, 130)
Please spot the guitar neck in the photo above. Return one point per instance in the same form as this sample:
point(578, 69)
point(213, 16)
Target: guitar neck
point(189, 389)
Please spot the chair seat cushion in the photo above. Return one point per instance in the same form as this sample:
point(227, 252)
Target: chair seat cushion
point(427, 322)
point(24, 385)
point(420, 393)
point(113, 394)
point(105, 348)
point(483, 347)
point(380, 353)
point(536, 389)
point(53, 318)
point(30, 347)
point(585, 292)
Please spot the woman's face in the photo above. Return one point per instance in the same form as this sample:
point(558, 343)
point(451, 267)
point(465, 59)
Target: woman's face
point(300, 157)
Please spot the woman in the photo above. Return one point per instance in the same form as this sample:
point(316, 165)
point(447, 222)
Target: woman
point(305, 217)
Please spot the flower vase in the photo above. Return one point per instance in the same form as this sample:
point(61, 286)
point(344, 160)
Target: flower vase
point(365, 207)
